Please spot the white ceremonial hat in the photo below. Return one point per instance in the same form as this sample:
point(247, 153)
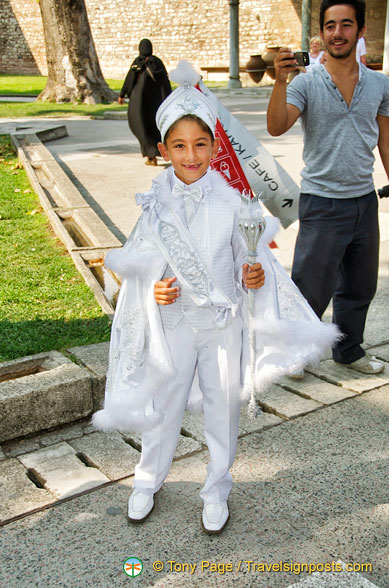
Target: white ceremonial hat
point(186, 99)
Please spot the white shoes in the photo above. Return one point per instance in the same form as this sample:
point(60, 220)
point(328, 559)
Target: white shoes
point(215, 517)
point(366, 365)
point(140, 506)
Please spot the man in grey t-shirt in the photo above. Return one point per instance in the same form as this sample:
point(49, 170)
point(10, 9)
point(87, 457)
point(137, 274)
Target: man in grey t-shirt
point(344, 112)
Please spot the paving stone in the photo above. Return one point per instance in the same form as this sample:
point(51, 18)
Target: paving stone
point(61, 472)
point(380, 351)
point(348, 378)
point(94, 357)
point(61, 434)
point(285, 404)
point(264, 420)
point(317, 389)
point(185, 445)
point(109, 453)
point(18, 493)
point(20, 446)
point(193, 425)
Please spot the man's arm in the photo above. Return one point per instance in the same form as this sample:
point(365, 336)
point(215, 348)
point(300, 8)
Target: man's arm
point(383, 141)
point(280, 115)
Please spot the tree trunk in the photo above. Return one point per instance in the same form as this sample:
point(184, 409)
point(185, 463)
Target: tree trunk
point(74, 72)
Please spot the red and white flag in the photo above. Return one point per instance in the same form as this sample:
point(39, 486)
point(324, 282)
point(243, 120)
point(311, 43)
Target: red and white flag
point(249, 167)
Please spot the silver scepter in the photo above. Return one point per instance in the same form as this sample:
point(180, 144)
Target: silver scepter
point(251, 226)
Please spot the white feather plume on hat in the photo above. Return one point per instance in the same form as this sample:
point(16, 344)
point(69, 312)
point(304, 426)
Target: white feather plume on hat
point(184, 73)
point(186, 99)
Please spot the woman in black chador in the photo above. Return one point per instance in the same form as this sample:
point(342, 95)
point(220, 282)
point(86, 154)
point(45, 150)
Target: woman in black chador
point(146, 86)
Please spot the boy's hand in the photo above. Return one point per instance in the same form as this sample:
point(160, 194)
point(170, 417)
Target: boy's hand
point(253, 276)
point(164, 293)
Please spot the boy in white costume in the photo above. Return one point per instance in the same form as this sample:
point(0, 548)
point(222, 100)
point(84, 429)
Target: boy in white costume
point(179, 326)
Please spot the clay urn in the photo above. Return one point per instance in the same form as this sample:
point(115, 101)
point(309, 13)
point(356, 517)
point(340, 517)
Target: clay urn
point(256, 67)
point(269, 57)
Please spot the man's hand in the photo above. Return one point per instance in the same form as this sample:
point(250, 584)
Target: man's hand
point(253, 276)
point(284, 63)
point(164, 293)
point(121, 100)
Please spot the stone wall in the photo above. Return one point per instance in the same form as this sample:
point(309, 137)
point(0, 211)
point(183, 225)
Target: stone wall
point(194, 30)
point(22, 48)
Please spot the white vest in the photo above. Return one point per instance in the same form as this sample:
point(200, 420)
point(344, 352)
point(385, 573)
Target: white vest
point(213, 230)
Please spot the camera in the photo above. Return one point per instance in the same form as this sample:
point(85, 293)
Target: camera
point(384, 192)
point(302, 58)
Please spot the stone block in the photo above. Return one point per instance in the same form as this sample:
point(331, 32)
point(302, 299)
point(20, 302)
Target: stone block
point(193, 424)
point(264, 420)
point(52, 133)
point(317, 389)
point(18, 493)
point(185, 445)
point(20, 446)
point(285, 404)
point(63, 434)
point(95, 232)
point(94, 358)
point(61, 472)
point(109, 453)
point(380, 352)
point(341, 375)
point(53, 392)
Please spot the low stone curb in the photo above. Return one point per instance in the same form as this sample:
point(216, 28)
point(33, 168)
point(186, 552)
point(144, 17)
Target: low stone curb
point(75, 223)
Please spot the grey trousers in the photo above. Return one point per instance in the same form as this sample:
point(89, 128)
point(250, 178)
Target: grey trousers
point(336, 256)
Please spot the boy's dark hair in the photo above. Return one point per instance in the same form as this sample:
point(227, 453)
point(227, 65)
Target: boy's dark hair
point(358, 5)
point(194, 118)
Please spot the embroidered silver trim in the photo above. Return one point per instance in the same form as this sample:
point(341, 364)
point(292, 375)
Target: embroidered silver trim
point(188, 263)
point(130, 342)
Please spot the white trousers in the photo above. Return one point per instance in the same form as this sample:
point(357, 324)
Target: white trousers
point(216, 354)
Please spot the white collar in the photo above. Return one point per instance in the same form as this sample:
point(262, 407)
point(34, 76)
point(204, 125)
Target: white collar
point(203, 182)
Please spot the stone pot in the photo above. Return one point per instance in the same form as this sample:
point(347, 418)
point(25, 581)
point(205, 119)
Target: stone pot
point(269, 57)
point(256, 67)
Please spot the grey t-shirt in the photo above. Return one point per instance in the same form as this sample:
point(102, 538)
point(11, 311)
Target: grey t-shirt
point(339, 140)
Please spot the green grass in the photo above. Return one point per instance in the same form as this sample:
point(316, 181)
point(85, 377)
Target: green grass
point(44, 302)
point(21, 85)
point(51, 109)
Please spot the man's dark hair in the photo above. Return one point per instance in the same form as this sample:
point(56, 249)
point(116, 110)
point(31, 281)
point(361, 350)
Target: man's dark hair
point(358, 5)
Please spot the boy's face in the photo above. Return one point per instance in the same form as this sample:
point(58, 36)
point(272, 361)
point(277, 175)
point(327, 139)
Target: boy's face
point(190, 149)
point(340, 30)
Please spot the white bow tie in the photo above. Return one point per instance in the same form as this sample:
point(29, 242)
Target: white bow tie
point(194, 193)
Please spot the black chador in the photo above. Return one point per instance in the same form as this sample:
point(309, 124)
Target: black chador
point(146, 86)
